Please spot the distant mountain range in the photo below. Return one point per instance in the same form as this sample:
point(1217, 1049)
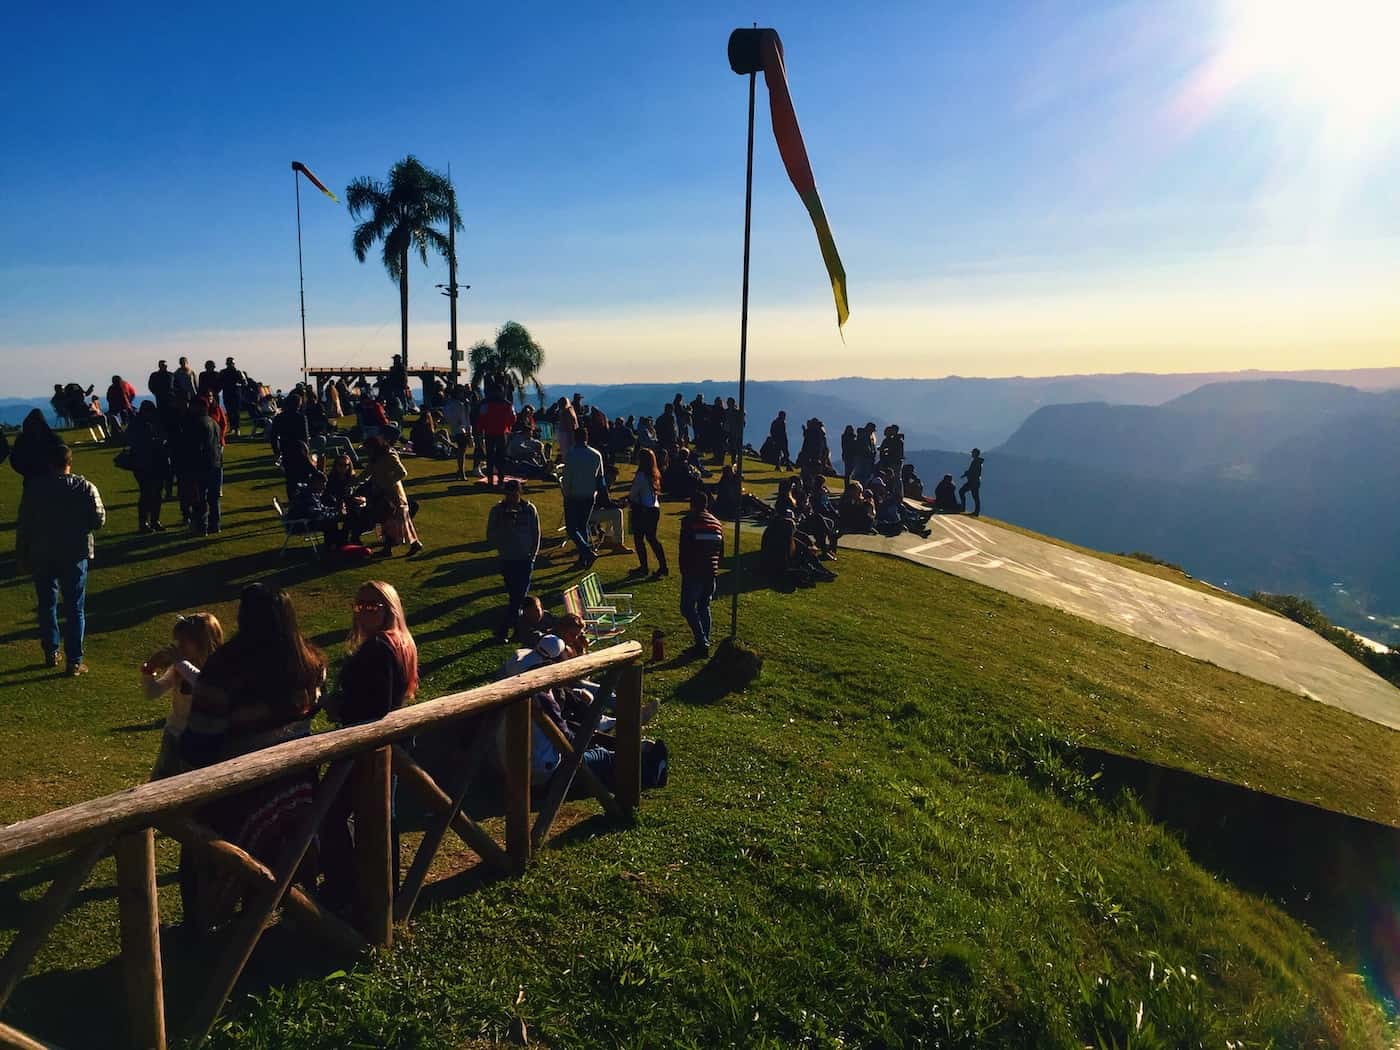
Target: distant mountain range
point(949, 413)
point(1281, 486)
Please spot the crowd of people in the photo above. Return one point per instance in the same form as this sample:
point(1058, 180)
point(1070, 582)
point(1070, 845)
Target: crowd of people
point(263, 686)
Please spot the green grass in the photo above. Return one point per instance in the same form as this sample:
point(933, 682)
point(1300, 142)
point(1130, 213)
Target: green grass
point(877, 844)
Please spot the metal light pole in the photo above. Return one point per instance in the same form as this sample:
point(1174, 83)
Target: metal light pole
point(301, 277)
point(738, 571)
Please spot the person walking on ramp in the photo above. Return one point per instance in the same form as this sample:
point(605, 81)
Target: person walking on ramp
point(973, 484)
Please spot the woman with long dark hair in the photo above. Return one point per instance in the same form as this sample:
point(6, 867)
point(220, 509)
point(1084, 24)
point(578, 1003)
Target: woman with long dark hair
point(32, 452)
point(645, 502)
point(257, 690)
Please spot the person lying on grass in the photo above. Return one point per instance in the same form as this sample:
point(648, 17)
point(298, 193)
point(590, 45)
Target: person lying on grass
point(174, 669)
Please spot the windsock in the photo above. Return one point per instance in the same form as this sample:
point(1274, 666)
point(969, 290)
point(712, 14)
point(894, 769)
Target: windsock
point(751, 50)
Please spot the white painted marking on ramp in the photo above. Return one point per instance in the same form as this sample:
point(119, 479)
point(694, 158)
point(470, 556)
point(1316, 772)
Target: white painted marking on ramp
point(925, 547)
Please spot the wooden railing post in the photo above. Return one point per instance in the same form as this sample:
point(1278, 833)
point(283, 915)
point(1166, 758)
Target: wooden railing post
point(374, 845)
point(140, 938)
point(627, 765)
point(517, 763)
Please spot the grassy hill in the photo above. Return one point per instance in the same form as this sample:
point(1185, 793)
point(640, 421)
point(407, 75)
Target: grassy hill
point(882, 842)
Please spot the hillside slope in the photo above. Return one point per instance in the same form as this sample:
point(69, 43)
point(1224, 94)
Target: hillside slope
point(849, 853)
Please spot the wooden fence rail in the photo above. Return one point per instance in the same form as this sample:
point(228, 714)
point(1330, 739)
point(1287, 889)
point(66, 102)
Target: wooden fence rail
point(360, 760)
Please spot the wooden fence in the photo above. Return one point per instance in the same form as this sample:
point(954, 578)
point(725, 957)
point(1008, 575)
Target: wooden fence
point(360, 759)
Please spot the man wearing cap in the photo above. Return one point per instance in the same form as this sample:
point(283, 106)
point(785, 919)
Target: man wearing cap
point(702, 542)
point(513, 527)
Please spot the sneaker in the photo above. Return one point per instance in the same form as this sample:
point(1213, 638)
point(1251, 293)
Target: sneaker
point(76, 669)
point(414, 547)
point(157, 527)
point(51, 659)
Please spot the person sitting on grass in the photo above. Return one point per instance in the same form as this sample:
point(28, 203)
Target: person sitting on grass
point(175, 670)
point(945, 496)
point(892, 516)
point(386, 473)
point(524, 455)
point(911, 483)
point(426, 440)
point(785, 553)
point(533, 623)
point(309, 504)
point(856, 510)
point(257, 690)
point(681, 477)
point(732, 500)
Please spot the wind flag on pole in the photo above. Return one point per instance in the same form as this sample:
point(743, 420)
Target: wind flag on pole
point(751, 50)
point(299, 166)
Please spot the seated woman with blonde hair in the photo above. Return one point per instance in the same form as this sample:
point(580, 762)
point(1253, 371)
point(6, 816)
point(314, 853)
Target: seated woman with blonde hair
point(379, 674)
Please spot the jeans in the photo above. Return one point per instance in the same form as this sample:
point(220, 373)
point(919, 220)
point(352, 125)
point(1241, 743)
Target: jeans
point(516, 573)
point(150, 484)
point(696, 592)
point(232, 408)
point(70, 578)
point(576, 515)
point(495, 456)
point(212, 491)
point(975, 488)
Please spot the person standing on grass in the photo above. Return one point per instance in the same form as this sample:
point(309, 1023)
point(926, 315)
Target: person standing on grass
point(973, 484)
point(145, 444)
point(231, 386)
point(204, 446)
point(33, 451)
point(184, 382)
point(121, 398)
point(57, 517)
point(497, 417)
point(702, 542)
point(513, 528)
point(583, 477)
point(456, 417)
point(386, 473)
point(644, 501)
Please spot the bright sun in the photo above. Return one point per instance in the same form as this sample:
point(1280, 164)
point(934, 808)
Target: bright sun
point(1338, 56)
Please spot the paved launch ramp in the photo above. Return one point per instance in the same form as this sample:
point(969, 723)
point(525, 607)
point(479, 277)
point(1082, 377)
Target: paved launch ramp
point(1252, 642)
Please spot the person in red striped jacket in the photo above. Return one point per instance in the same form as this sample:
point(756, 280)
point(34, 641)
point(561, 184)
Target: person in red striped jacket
point(702, 542)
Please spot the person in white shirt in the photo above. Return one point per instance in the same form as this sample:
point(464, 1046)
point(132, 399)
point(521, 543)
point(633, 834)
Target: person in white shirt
point(644, 501)
point(456, 418)
point(175, 670)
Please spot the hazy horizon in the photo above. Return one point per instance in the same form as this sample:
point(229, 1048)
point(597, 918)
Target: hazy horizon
point(1030, 190)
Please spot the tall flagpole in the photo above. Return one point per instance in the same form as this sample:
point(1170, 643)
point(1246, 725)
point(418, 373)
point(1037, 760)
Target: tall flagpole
point(301, 277)
point(743, 364)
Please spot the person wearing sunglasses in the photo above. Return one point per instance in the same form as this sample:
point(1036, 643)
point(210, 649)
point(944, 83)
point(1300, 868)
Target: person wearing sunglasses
point(378, 676)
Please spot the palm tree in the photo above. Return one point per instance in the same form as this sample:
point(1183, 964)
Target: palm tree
point(514, 354)
point(404, 213)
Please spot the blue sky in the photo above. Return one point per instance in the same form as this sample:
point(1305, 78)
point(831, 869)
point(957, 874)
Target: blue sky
point(1015, 188)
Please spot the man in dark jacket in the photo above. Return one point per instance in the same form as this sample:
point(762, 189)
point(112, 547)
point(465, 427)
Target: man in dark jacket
point(289, 428)
point(973, 484)
point(231, 384)
point(513, 528)
point(201, 469)
point(777, 432)
point(57, 518)
point(702, 543)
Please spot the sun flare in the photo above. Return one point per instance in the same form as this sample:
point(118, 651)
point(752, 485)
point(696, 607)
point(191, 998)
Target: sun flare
point(1337, 56)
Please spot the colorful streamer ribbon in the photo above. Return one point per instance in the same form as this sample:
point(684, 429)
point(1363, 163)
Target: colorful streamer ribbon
point(299, 166)
point(749, 51)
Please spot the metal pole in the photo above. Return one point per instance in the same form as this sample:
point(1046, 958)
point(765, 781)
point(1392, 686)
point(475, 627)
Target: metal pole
point(301, 277)
point(452, 270)
point(737, 572)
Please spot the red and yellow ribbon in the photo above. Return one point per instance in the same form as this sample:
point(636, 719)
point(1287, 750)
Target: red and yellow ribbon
point(299, 166)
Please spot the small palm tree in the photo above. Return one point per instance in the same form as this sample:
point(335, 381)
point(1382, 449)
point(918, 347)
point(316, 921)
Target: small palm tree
point(405, 213)
point(514, 354)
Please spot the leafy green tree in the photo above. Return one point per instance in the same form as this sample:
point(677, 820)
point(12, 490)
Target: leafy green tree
point(514, 354)
point(405, 213)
